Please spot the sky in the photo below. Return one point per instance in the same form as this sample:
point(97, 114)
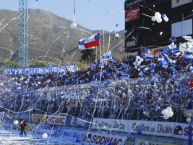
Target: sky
point(92, 14)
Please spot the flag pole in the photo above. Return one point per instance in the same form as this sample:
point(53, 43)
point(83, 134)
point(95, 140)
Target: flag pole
point(96, 52)
point(103, 41)
point(100, 49)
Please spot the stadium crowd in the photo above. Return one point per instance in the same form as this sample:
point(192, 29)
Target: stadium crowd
point(163, 66)
point(138, 101)
point(137, 88)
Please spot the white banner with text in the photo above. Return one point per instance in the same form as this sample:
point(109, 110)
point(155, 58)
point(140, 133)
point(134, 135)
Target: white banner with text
point(167, 129)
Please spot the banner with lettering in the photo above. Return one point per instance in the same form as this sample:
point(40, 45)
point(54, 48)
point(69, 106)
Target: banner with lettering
point(41, 70)
point(77, 122)
point(57, 120)
point(100, 139)
point(49, 119)
point(167, 129)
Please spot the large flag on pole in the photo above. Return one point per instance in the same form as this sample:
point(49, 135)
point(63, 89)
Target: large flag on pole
point(90, 42)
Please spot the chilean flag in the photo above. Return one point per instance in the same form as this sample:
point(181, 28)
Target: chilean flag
point(90, 42)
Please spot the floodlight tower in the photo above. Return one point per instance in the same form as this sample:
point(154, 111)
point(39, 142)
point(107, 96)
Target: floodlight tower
point(23, 33)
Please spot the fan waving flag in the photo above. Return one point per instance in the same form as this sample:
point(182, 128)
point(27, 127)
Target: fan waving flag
point(90, 42)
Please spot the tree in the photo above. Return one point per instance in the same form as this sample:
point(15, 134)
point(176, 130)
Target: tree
point(39, 63)
point(88, 55)
point(11, 63)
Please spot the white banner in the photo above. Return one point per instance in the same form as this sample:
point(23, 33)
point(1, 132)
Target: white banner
point(177, 3)
point(167, 129)
point(49, 119)
point(41, 70)
point(58, 120)
point(101, 139)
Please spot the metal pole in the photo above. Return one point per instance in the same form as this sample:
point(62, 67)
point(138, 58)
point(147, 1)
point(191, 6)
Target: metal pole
point(190, 134)
point(23, 33)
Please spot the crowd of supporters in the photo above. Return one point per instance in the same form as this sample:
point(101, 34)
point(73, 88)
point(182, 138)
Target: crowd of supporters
point(137, 88)
point(162, 67)
point(124, 100)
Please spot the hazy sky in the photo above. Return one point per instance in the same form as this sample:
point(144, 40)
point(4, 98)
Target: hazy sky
point(92, 14)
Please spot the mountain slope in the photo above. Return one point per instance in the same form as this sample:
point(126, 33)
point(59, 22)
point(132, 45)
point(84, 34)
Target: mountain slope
point(50, 37)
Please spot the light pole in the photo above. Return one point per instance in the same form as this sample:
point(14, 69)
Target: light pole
point(189, 115)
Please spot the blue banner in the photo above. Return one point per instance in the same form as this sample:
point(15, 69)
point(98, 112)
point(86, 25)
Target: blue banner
point(41, 70)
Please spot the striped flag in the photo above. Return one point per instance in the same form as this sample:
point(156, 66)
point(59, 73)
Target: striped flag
point(163, 63)
point(167, 58)
point(188, 56)
point(176, 51)
point(147, 54)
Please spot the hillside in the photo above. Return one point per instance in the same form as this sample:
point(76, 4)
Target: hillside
point(50, 38)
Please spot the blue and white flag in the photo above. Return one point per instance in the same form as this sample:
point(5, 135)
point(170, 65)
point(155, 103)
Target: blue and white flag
point(164, 50)
point(163, 63)
point(176, 51)
point(188, 56)
point(147, 54)
point(138, 61)
point(107, 56)
point(146, 51)
point(172, 45)
point(167, 58)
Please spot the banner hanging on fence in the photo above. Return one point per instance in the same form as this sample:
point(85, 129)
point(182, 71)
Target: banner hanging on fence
point(166, 129)
point(41, 70)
